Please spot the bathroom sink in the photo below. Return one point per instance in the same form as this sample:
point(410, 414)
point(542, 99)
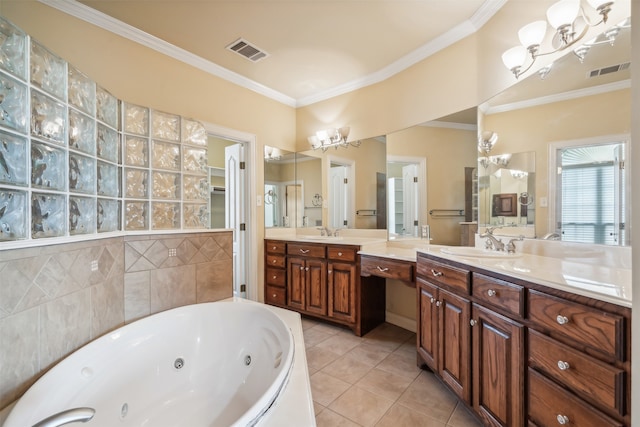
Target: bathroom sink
point(477, 252)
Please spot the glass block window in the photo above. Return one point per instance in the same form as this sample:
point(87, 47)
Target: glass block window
point(77, 161)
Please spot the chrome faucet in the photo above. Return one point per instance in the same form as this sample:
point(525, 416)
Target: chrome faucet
point(491, 242)
point(326, 231)
point(511, 246)
point(67, 417)
point(551, 236)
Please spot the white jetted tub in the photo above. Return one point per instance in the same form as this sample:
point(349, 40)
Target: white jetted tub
point(214, 364)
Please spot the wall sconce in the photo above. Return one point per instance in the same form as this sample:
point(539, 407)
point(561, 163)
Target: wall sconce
point(518, 174)
point(501, 160)
point(325, 139)
point(570, 22)
point(486, 141)
point(271, 153)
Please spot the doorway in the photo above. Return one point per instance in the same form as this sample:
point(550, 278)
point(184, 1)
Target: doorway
point(231, 156)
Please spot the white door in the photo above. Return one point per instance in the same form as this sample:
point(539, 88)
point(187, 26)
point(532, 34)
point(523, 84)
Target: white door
point(410, 199)
point(338, 203)
point(235, 219)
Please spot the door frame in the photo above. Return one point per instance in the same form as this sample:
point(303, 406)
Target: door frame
point(251, 239)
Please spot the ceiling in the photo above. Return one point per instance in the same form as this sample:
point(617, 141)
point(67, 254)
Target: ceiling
point(316, 48)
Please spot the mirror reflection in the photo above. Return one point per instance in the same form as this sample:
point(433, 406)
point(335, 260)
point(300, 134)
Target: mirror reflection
point(582, 102)
point(280, 191)
point(506, 193)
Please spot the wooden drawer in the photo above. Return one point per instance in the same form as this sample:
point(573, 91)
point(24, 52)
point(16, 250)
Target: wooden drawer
point(276, 277)
point(548, 403)
point(387, 268)
point(589, 377)
point(275, 295)
point(275, 247)
point(274, 261)
point(305, 250)
point(603, 332)
point(435, 271)
point(342, 253)
point(503, 295)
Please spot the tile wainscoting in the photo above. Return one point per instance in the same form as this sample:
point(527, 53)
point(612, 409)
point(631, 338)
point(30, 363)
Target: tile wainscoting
point(56, 298)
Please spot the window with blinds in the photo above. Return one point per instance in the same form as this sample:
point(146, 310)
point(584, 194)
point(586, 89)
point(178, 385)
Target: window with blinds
point(592, 194)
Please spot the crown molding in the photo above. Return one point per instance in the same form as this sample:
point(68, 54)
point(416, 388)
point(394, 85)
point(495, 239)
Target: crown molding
point(115, 26)
point(449, 125)
point(549, 99)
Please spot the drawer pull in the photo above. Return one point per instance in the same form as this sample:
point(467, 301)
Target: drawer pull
point(563, 366)
point(562, 320)
point(562, 419)
point(382, 270)
point(304, 251)
point(339, 253)
point(473, 322)
point(436, 273)
point(491, 293)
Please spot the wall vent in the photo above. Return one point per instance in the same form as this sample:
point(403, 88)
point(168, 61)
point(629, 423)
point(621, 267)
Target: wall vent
point(247, 50)
point(608, 70)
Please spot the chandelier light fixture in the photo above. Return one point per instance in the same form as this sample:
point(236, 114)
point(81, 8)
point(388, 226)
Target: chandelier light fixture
point(328, 138)
point(570, 21)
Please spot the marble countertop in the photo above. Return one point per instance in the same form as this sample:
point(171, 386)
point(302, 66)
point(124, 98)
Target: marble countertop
point(590, 279)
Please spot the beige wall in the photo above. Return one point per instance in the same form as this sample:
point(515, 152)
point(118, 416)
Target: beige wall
point(448, 152)
point(534, 128)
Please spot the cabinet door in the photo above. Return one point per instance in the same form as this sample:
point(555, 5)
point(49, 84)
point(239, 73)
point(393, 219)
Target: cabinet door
point(295, 283)
point(316, 286)
point(498, 368)
point(454, 362)
point(341, 284)
point(427, 327)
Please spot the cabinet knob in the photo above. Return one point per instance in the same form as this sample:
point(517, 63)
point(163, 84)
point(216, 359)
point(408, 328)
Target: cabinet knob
point(306, 269)
point(274, 261)
point(339, 253)
point(382, 269)
point(275, 277)
point(436, 273)
point(563, 366)
point(473, 322)
point(274, 295)
point(274, 248)
point(301, 268)
point(328, 271)
point(304, 251)
point(433, 300)
point(562, 320)
point(491, 293)
point(562, 419)
point(438, 303)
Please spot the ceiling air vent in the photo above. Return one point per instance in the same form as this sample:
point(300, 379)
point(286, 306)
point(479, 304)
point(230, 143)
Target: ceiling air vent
point(247, 50)
point(610, 69)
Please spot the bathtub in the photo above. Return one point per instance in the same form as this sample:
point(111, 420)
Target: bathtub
point(214, 364)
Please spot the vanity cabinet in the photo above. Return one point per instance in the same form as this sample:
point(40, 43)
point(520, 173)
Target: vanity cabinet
point(443, 336)
point(539, 356)
point(323, 281)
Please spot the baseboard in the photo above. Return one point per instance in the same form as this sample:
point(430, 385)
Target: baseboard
point(403, 322)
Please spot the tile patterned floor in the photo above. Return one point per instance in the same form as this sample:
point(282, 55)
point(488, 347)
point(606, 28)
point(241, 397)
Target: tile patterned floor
point(374, 381)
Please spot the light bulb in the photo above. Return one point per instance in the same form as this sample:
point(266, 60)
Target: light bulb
point(514, 58)
point(532, 34)
point(563, 13)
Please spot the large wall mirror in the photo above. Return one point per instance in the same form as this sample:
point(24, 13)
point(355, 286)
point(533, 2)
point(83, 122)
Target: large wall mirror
point(578, 102)
point(437, 155)
point(281, 192)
